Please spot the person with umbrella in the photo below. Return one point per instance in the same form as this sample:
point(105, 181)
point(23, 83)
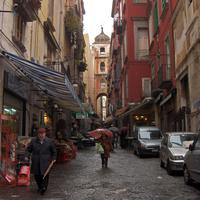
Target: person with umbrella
point(103, 137)
point(106, 143)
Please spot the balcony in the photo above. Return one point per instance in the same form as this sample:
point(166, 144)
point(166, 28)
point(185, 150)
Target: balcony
point(118, 26)
point(28, 9)
point(72, 21)
point(164, 77)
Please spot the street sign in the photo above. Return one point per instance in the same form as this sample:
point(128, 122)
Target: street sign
point(81, 115)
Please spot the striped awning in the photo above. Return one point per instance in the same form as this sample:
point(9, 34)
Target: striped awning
point(55, 84)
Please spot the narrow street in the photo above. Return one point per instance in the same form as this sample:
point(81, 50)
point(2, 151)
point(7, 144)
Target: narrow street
point(127, 178)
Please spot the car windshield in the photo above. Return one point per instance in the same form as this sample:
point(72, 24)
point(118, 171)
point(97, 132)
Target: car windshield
point(179, 141)
point(150, 134)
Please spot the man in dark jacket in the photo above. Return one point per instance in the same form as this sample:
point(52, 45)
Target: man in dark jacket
point(43, 152)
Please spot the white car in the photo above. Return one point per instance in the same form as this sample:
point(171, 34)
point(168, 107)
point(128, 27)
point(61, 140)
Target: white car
point(192, 163)
point(174, 146)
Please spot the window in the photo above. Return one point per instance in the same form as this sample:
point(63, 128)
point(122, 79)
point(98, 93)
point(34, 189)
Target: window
point(146, 87)
point(150, 134)
point(102, 50)
point(142, 48)
point(141, 40)
point(19, 28)
point(168, 62)
point(189, 2)
point(155, 16)
point(179, 141)
point(103, 84)
point(102, 67)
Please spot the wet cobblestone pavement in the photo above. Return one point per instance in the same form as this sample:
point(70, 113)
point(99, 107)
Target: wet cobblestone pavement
point(127, 178)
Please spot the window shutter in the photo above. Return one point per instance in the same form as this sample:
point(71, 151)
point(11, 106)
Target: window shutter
point(164, 4)
point(156, 18)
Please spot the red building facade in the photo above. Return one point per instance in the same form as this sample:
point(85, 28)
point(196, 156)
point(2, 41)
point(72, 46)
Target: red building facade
point(130, 75)
point(162, 62)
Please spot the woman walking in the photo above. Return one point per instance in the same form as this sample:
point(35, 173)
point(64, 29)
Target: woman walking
point(106, 143)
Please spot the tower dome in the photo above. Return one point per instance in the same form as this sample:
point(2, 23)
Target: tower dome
point(102, 38)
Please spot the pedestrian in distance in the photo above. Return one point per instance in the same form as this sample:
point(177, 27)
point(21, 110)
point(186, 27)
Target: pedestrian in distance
point(106, 143)
point(123, 134)
point(43, 153)
point(115, 137)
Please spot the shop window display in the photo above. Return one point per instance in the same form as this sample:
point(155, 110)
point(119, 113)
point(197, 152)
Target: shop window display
point(8, 147)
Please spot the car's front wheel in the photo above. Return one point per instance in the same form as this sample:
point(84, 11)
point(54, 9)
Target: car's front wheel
point(139, 153)
point(187, 178)
point(135, 151)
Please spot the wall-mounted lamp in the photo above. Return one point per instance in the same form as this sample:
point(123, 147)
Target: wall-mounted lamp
point(46, 118)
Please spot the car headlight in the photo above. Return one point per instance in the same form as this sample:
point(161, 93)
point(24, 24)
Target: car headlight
point(176, 157)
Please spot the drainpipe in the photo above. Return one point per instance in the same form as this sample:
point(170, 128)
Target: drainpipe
point(1, 88)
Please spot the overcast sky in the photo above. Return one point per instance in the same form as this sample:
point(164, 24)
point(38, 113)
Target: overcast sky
point(98, 12)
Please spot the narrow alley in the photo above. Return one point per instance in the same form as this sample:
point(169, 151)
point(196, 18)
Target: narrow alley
point(128, 177)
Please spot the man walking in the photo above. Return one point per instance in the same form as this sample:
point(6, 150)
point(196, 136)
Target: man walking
point(43, 152)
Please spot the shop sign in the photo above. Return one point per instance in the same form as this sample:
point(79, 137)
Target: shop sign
point(81, 115)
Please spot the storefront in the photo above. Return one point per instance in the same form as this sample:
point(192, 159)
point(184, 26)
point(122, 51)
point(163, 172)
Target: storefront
point(141, 114)
point(30, 92)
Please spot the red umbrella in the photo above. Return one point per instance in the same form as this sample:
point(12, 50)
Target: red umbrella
point(97, 133)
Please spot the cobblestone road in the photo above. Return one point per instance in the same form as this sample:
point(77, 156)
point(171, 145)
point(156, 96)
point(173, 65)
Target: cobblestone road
point(127, 178)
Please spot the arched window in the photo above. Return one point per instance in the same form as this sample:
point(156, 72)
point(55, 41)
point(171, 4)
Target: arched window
point(102, 84)
point(102, 50)
point(102, 67)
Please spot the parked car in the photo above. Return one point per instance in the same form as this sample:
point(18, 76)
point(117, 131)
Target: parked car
point(146, 140)
point(192, 163)
point(174, 146)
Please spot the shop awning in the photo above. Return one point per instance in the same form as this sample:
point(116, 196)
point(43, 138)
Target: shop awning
point(55, 84)
point(142, 107)
point(118, 112)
